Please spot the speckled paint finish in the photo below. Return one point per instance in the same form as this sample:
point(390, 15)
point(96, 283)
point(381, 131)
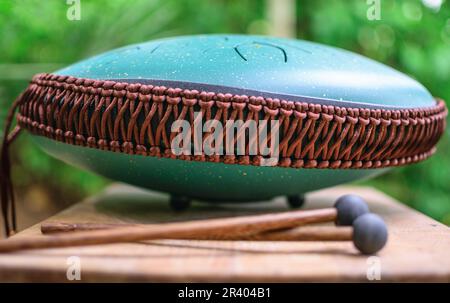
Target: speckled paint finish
point(265, 64)
point(206, 181)
point(233, 63)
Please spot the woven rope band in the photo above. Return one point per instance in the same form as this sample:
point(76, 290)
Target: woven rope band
point(136, 119)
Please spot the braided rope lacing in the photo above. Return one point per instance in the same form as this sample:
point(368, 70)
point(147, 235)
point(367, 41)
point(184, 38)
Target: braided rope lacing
point(135, 119)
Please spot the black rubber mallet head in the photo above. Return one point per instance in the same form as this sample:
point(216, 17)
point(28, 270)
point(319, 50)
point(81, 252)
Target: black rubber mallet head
point(349, 208)
point(369, 233)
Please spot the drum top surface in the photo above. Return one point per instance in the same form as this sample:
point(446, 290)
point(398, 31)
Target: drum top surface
point(256, 65)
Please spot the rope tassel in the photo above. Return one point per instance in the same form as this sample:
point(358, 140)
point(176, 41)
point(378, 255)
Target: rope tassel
point(6, 186)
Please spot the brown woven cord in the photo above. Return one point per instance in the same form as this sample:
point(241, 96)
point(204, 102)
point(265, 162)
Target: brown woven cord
point(6, 186)
point(136, 119)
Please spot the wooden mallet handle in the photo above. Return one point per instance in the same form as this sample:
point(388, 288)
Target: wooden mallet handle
point(62, 227)
point(303, 233)
point(245, 225)
point(368, 233)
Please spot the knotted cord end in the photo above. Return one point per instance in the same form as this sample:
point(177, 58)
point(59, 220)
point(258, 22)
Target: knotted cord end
point(7, 201)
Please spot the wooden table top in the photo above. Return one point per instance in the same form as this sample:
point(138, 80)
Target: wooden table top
point(418, 248)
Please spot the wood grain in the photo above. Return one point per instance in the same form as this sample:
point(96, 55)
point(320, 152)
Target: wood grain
point(417, 249)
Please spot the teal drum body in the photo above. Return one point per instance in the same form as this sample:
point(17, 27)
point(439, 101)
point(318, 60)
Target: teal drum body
point(342, 117)
point(206, 181)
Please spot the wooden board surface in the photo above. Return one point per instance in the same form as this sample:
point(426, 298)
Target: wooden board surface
point(418, 248)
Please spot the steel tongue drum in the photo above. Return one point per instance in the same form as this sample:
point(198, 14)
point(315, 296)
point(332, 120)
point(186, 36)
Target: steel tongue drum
point(227, 117)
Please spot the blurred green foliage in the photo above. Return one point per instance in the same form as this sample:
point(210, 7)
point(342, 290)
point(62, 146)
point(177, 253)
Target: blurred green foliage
point(411, 37)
